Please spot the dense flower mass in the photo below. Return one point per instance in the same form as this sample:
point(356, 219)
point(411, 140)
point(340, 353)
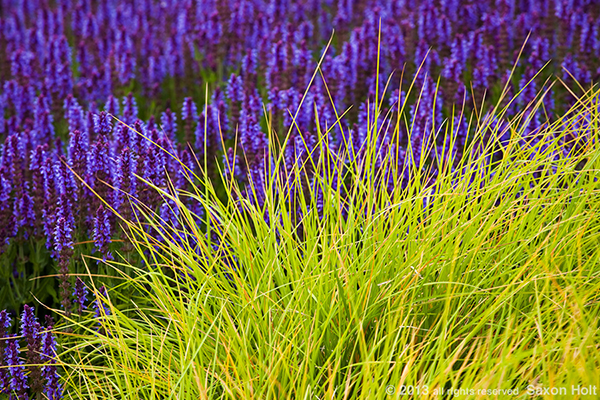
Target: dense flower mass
point(35, 374)
point(205, 80)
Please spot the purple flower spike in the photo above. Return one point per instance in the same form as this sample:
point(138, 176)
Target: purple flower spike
point(7, 217)
point(100, 304)
point(80, 295)
point(4, 374)
point(232, 165)
point(169, 213)
point(63, 232)
point(18, 380)
point(188, 111)
point(49, 200)
point(102, 124)
point(52, 388)
point(234, 90)
point(130, 110)
point(30, 329)
point(112, 106)
point(102, 232)
point(169, 125)
point(103, 293)
point(2, 107)
point(189, 116)
point(24, 209)
point(99, 169)
point(218, 111)
point(44, 129)
point(73, 114)
point(179, 171)
point(126, 182)
point(63, 247)
point(77, 154)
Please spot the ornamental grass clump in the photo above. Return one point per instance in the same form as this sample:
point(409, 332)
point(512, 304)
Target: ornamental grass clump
point(190, 73)
point(317, 279)
point(176, 179)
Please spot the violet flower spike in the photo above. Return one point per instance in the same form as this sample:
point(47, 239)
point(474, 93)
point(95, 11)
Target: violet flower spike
point(102, 232)
point(4, 373)
point(130, 109)
point(102, 125)
point(80, 293)
point(30, 329)
point(102, 310)
point(52, 388)
point(18, 380)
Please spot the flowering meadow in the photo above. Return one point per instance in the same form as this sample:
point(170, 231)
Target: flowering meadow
point(289, 199)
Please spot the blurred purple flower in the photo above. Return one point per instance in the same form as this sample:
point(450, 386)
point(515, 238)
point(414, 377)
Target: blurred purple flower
point(130, 109)
point(169, 124)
